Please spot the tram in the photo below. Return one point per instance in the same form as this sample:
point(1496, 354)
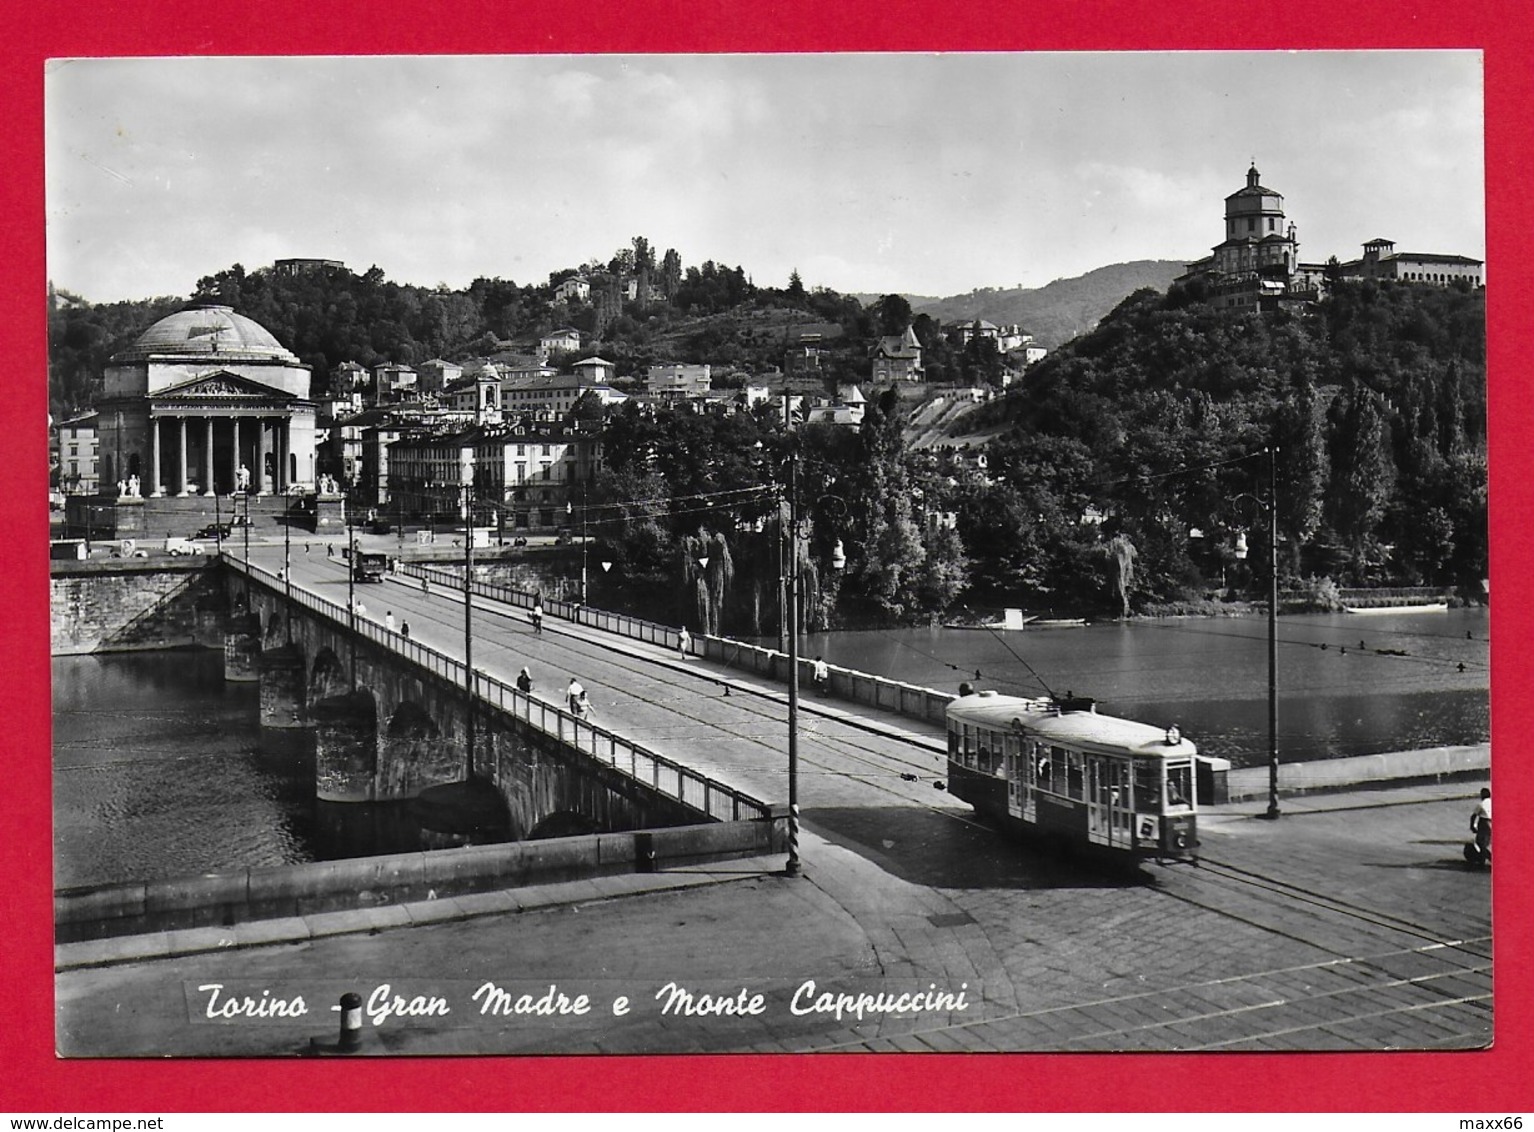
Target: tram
point(1055, 769)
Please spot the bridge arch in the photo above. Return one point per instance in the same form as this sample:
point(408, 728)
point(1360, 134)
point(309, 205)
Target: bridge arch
point(328, 675)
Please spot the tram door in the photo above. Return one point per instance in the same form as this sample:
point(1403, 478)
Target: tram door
point(1108, 809)
point(1017, 774)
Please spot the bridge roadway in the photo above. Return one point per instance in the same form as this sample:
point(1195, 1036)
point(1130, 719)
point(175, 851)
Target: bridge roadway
point(1349, 924)
point(849, 756)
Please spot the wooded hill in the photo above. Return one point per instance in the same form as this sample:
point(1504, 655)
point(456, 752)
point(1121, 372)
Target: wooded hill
point(1059, 311)
point(1155, 423)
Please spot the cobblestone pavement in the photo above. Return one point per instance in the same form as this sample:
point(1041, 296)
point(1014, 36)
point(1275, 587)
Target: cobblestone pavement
point(1367, 933)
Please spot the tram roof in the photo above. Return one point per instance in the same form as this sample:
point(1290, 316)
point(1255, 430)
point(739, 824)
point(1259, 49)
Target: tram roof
point(1042, 718)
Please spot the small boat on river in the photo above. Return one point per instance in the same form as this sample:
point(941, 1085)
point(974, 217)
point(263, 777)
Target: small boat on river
point(1418, 607)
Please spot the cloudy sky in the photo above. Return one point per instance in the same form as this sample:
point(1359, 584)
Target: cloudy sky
point(930, 175)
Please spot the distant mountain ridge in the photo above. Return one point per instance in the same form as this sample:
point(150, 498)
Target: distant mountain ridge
point(1058, 311)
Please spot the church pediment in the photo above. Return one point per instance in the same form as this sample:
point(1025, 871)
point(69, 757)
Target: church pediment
point(222, 386)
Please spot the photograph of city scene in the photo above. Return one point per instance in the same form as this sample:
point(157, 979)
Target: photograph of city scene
point(769, 554)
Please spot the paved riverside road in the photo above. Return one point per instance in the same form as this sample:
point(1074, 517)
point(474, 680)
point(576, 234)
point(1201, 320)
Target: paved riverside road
point(1351, 923)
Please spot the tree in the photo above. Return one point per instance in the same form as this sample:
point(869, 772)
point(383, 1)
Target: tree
point(795, 285)
point(1122, 554)
point(670, 273)
point(892, 314)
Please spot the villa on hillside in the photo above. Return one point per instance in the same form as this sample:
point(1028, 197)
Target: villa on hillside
point(897, 358)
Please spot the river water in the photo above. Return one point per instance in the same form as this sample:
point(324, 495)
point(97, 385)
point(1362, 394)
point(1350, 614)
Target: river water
point(1348, 684)
point(160, 769)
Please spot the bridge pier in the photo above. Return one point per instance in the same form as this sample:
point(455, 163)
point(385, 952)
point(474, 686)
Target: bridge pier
point(282, 675)
point(242, 649)
point(346, 748)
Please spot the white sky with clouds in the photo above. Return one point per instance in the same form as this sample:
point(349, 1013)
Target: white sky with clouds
point(924, 174)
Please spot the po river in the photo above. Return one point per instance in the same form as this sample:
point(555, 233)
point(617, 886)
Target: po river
point(159, 769)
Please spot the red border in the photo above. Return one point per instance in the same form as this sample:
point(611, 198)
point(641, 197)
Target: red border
point(1482, 1083)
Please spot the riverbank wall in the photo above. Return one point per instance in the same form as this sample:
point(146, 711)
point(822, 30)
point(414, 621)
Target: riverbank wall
point(242, 895)
point(1396, 768)
point(134, 604)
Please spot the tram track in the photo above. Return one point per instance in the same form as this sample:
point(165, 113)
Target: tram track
point(1235, 876)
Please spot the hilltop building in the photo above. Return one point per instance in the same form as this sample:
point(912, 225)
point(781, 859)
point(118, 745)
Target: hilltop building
point(1381, 261)
point(1257, 266)
point(301, 266)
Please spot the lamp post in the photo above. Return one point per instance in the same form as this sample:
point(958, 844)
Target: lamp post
point(468, 625)
point(792, 867)
point(1272, 508)
point(287, 564)
point(351, 589)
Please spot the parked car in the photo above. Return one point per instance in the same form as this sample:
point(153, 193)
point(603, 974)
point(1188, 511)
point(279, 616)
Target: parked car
point(180, 546)
point(381, 527)
point(215, 531)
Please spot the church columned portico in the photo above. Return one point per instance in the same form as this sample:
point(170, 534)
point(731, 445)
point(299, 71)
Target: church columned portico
point(205, 453)
point(206, 402)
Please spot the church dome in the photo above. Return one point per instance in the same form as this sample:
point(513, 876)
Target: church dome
point(207, 332)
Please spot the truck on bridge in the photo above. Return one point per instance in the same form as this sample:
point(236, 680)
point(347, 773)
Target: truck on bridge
point(370, 567)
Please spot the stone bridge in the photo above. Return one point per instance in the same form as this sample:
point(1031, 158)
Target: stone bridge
point(392, 720)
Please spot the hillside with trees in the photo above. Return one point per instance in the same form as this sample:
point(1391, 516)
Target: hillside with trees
point(1154, 426)
point(1117, 477)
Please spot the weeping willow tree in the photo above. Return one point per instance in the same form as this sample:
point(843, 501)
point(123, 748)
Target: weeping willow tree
point(1122, 553)
point(710, 582)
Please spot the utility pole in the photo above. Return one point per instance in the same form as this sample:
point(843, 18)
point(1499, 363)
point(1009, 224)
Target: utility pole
point(468, 623)
point(1272, 632)
point(792, 867)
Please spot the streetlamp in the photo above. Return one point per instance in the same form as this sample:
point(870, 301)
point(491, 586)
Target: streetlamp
point(1271, 506)
point(791, 616)
point(468, 623)
point(287, 564)
point(569, 509)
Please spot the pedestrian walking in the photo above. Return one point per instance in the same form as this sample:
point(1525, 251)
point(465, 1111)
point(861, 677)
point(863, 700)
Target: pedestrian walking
point(330, 550)
point(1480, 825)
point(525, 682)
point(404, 629)
point(389, 620)
point(536, 617)
point(821, 675)
point(425, 586)
point(573, 694)
point(684, 642)
point(583, 705)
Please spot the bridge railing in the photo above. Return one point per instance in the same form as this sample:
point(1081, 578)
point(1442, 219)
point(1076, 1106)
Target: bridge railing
point(897, 697)
point(619, 623)
point(664, 775)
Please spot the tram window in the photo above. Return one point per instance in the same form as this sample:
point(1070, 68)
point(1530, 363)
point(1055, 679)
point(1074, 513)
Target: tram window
point(1073, 774)
point(953, 743)
point(1046, 767)
point(1148, 787)
point(1179, 785)
point(995, 761)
